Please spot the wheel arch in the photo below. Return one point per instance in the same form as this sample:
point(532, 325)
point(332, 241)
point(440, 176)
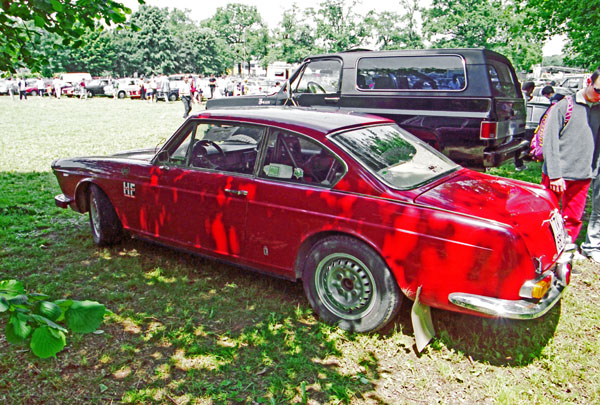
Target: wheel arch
point(82, 192)
point(312, 240)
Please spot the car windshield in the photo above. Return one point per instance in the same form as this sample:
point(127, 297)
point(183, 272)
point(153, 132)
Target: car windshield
point(395, 156)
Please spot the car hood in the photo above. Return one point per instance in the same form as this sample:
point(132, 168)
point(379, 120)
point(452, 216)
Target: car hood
point(525, 207)
point(137, 154)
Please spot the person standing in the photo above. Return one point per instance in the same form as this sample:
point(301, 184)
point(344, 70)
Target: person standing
point(12, 87)
point(22, 88)
point(41, 87)
point(185, 92)
point(57, 86)
point(212, 84)
point(165, 87)
point(82, 90)
point(570, 154)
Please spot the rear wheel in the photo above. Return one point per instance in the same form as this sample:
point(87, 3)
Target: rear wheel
point(349, 284)
point(106, 226)
point(121, 94)
point(172, 97)
point(90, 94)
point(34, 93)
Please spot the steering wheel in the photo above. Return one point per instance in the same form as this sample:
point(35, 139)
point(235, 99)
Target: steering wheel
point(314, 86)
point(199, 156)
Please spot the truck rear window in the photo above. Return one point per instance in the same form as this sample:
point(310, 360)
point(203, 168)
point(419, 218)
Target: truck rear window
point(436, 72)
point(501, 79)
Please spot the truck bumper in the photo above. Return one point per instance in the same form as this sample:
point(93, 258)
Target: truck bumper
point(494, 158)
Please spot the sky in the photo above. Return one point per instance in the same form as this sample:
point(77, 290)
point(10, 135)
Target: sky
point(271, 11)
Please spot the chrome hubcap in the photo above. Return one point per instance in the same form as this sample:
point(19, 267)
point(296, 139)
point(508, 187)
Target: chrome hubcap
point(345, 286)
point(95, 215)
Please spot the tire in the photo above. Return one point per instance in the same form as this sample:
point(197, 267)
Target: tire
point(172, 97)
point(90, 94)
point(121, 94)
point(348, 284)
point(34, 93)
point(106, 226)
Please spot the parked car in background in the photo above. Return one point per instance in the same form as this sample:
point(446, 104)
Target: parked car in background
point(357, 208)
point(127, 87)
point(75, 78)
point(94, 87)
point(467, 103)
point(575, 82)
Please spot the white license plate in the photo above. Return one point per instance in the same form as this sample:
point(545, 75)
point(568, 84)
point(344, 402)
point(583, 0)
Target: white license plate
point(560, 233)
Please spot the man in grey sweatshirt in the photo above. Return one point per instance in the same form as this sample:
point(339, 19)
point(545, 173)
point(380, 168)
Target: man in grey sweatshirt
point(571, 155)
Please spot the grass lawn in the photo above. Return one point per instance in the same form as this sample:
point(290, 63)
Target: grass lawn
point(189, 330)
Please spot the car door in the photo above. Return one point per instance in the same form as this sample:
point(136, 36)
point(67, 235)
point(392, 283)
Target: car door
point(201, 191)
point(292, 198)
point(318, 83)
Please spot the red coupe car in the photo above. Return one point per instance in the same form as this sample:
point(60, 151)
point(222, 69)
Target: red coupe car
point(360, 210)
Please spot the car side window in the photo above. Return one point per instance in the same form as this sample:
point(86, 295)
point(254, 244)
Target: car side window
point(320, 76)
point(218, 146)
point(292, 158)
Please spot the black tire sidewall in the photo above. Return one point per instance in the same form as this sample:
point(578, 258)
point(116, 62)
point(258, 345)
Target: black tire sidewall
point(109, 225)
point(388, 296)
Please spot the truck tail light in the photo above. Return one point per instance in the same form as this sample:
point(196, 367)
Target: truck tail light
point(488, 130)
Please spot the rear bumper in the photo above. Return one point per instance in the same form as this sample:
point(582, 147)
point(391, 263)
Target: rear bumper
point(517, 309)
point(63, 201)
point(494, 158)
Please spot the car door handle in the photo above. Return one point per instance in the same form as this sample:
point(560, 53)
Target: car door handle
point(236, 192)
point(332, 99)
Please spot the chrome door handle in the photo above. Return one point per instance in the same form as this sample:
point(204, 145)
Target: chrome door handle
point(236, 192)
point(332, 99)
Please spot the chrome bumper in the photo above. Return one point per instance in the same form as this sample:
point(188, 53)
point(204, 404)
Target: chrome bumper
point(62, 201)
point(518, 309)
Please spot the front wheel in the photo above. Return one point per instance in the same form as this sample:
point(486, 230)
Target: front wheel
point(106, 226)
point(349, 284)
point(90, 94)
point(172, 97)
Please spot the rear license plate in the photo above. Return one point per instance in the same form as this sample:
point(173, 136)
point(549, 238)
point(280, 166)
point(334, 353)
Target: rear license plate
point(558, 228)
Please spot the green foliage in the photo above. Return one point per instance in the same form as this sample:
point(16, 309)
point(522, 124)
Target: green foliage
point(577, 19)
point(493, 24)
point(294, 39)
point(22, 22)
point(394, 31)
point(339, 27)
point(33, 317)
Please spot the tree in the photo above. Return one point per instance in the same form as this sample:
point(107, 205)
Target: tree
point(294, 39)
point(394, 31)
point(338, 26)
point(493, 24)
point(23, 22)
point(577, 19)
point(239, 26)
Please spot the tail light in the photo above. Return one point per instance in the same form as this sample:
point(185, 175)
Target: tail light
point(488, 130)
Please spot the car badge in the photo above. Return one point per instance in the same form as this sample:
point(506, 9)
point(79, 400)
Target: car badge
point(125, 171)
point(298, 173)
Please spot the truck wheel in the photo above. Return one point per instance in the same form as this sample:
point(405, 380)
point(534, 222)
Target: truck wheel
point(106, 226)
point(349, 284)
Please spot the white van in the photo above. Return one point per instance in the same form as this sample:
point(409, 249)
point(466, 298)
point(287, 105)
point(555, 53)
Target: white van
point(75, 78)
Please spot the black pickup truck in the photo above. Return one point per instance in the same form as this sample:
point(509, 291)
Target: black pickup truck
point(467, 103)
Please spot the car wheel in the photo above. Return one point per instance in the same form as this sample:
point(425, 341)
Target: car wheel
point(90, 94)
point(348, 284)
point(121, 94)
point(106, 226)
point(34, 93)
point(172, 97)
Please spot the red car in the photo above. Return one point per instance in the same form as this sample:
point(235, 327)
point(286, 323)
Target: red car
point(359, 209)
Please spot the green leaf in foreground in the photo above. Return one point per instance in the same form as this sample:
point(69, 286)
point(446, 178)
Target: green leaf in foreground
point(46, 343)
point(85, 316)
point(11, 288)
point(19, 325)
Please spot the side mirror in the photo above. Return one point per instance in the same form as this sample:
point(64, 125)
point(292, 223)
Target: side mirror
point(163, 157)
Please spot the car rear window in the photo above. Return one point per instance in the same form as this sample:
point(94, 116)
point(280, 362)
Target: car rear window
point(422, 73)
point(501, 79)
